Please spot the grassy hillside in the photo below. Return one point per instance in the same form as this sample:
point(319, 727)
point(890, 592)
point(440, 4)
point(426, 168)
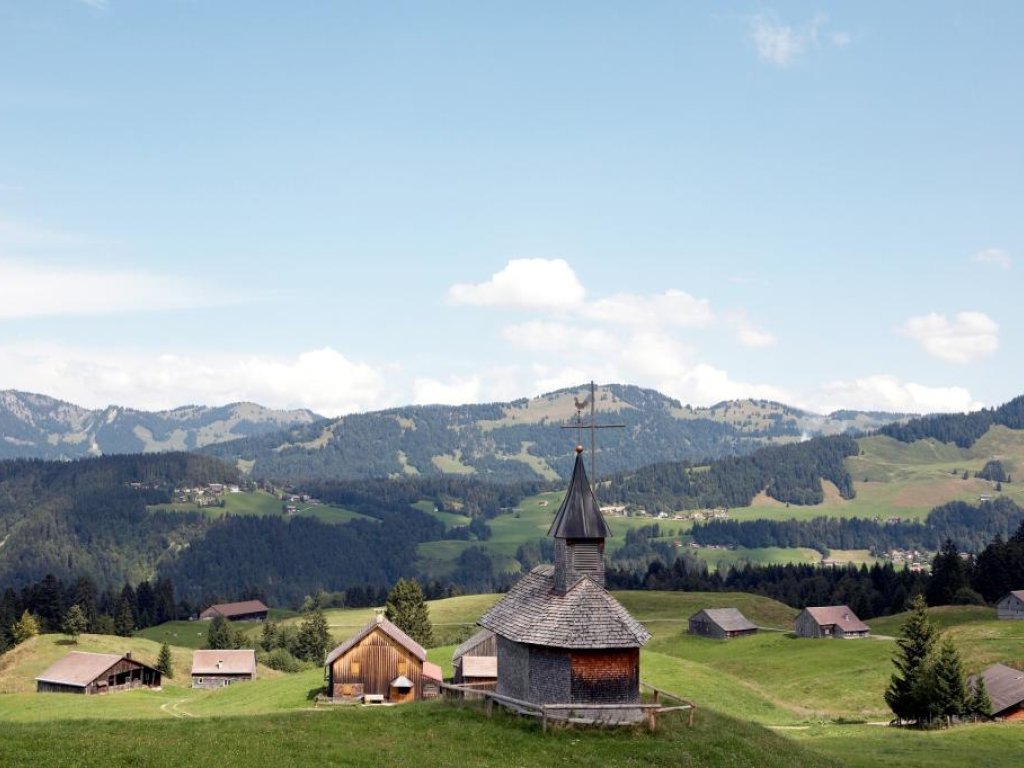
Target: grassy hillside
point(261, 504)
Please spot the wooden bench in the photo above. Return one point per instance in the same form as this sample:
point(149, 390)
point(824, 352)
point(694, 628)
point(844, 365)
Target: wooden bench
point(373, 698)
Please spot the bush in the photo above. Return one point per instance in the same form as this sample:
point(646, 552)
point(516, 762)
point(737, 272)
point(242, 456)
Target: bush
point(281, 660)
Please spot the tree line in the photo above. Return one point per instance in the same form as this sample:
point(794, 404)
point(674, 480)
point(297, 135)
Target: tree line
point(962, 429)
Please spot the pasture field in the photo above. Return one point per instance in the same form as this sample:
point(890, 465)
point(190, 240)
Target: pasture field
point(764, 700)
point(263, 504)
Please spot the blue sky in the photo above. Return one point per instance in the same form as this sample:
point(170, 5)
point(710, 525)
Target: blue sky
point(346, 206)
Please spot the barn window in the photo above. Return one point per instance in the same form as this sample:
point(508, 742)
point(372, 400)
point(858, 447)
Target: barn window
point(355, 667)
point(403, 667)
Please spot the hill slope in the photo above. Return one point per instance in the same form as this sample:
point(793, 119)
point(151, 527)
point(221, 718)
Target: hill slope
point(37, 426)
point(523, 439)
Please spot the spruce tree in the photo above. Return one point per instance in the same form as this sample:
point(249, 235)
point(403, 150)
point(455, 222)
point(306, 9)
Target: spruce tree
point(406, 608)
point(314, 637)
point(950, 697)
point(220, 636)
point(908, 695)
point(164, 663)
point(979, 704)
point(24, 628)
point(75, 622)
point(124, 621)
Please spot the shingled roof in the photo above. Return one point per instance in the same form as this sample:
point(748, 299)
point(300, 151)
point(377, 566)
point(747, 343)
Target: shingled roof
point(79, 668)
point(584, 616)
point(387, 628)
point(480, 637)
point(729, 619)
point(839, 615)
point(579, 517)
point(235, 662)
point(228, 610)
point(1005, 686)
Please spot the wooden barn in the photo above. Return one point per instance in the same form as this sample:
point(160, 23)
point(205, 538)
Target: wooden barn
point(247, 610)
point(476, 660)
point(215, 669)
point(561, 637)
point(836, 621)
point(1005, 687)
point(382, 663)
point(1011, 606)
point(91, 673)
point(721, 623)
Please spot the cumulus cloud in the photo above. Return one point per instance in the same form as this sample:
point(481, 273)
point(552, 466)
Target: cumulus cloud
point(558, 338)
point(322, 380)
point(454, 391)
point(969, 337)
point(671, 308)
point(547, 284)
point(748, 334)
point(32, 289)
point(882, 392)
point(994, 256)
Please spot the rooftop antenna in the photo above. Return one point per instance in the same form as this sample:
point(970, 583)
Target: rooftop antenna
point(579, 425)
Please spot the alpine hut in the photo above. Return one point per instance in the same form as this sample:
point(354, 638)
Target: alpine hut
point(830, 621)
point(1011, 606)
point(89, 673)
point(215, 669)
point(561, 637)
point(475, 662)
point(1005, 688)
point(381, 663)
point(721, 623)
point(247, 610)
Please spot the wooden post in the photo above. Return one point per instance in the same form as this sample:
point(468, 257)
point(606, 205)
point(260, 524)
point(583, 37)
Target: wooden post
point(489, 706)
point(652, 719)
point(543, 718)
point(689, 721)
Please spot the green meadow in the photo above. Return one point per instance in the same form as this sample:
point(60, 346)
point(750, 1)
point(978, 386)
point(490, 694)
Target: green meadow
point(765, 700)
point(263, 504)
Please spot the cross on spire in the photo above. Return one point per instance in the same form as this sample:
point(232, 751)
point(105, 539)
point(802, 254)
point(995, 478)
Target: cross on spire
point(592, 426)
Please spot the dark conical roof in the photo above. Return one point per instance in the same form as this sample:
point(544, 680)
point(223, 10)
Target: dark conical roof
point(579, 517)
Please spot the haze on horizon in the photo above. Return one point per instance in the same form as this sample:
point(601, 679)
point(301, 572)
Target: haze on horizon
point(348, 207)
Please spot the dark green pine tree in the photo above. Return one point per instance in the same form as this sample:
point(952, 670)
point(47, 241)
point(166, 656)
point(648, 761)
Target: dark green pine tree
point(979, 704)
point(407, 609)
point(314, 637)
point(950, 698)
point(124, 614)
point(220, 635)
point(949, 575)
point(908, 695)
point(164, 663)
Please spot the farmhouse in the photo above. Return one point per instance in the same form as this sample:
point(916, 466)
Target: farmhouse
point(1005, 687)
point(721, 623)
point(475, 662)
point(381, 663)
point(247, 610)
point(1011, 606)
point(830, 621)
point(89, 673)
point(561, 637)
point(215, 669)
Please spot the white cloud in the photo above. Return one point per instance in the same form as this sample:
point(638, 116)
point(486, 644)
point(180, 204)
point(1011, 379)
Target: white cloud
point(995, 256)
point(29, 289)
point(558, 338)
point(547, 284)
point(454, 391)
point(322, 380)
point(747, 333)
point(971, 336)
point(882, 392)
point(781, 44)
point(671, 308)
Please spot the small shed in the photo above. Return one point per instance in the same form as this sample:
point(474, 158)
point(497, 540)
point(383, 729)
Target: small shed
point(1011, 606)
point(215, 669)
point(476, 660)
point(91, 673)
point(1005, 688)
point(379, 660)
point(721, 623)
point(247, 610)
point(834, 621)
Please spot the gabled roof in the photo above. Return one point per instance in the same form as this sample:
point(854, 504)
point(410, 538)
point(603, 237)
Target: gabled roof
point(1018, 593)
point(480, 637)
point(80, 668)
point(839, 615)
point(385, 626)
point(1005, 686)
point(729, 619)
point(227, 610)
point(432, 671)
point(480, 666)
point(239, 662)
point(579, 517)
point(585, 616)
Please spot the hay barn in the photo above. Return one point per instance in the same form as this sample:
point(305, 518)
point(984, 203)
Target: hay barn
point(833, 621)
point(215, 669)
point(93, 673)
point(721, 623)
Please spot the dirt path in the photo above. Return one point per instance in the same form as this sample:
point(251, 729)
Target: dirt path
point(173, 709)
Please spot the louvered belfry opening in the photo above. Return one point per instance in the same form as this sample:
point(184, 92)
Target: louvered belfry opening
point(579, 531)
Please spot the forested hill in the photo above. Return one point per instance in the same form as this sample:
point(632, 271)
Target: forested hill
point(523, 440)
point(788, 473)
point(37, 426)
point(962, 429)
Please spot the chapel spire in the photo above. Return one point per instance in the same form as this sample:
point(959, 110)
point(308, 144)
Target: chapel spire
point(579, 531)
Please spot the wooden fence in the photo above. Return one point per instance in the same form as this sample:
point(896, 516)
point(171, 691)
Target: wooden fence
point(580, 714)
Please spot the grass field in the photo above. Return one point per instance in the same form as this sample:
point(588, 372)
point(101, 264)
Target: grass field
point(262, 504)
point(786, 700)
